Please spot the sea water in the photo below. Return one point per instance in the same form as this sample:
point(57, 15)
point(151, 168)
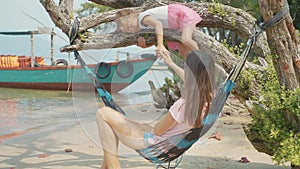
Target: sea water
point(24, 110)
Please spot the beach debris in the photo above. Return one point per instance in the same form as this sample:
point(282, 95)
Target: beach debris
point(229, 123)
point(158, 96)
point(244, 160)
point(10, 135)
point(216, 136)
point(68, 150)
point(43, 155)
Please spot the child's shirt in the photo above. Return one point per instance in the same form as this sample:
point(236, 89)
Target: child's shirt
point(159, 13)
point(173, 16)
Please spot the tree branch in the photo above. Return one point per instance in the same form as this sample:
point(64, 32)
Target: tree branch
point(118, 4)
point(58, 16)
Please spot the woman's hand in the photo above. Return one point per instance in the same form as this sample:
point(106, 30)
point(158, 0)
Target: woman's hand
point(161, 50)
point(163, 53)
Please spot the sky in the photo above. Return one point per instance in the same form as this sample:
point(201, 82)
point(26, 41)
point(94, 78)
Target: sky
point(13, 19)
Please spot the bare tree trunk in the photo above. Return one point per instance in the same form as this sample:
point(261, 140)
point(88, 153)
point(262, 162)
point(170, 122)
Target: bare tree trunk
point(283, 42)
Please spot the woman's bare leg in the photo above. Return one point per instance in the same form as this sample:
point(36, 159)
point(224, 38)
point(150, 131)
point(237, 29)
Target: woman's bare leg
point(109, 143)
point(112, 127)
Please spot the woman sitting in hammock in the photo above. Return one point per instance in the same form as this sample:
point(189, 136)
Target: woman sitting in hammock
point(186, 113)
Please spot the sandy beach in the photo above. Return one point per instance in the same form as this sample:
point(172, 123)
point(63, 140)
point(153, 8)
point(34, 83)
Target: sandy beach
point(45, 147)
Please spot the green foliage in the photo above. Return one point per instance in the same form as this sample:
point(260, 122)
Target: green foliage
point(171, 91)
point(217, 8)
point(245, 82)
point(237, 49)
point(249, 6)
point(271, 122)
point(295, 12)
point(89, 8)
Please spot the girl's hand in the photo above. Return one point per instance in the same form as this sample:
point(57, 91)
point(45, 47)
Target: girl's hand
point(160, 51)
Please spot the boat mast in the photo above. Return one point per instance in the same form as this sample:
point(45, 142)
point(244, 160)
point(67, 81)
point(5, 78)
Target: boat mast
point(52, 47)
point(32, 48)
point(49, 31)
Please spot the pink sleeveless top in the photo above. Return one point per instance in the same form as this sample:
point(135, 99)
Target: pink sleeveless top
point(177, 111)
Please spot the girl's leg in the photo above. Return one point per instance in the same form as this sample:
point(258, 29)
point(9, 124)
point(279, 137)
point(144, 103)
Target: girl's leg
point(113, 127)
point(188, 44)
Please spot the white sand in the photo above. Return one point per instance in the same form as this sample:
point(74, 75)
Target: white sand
point(45, 148)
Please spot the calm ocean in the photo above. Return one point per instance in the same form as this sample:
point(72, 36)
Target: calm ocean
point(31, 110)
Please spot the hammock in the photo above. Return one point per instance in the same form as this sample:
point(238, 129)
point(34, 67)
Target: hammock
point(172, 148)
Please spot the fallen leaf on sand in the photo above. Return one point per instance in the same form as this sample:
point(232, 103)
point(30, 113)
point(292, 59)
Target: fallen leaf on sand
point(43, 156)
point(10, 135)
point(216, 136)
point(244, 160)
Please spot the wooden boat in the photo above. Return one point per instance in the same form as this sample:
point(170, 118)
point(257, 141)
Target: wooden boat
point(30, 72)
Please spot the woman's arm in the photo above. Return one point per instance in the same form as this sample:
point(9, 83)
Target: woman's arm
point(178, 70)
point(164, 124)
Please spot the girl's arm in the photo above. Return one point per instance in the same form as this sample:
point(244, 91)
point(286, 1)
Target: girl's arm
point(164, 124)
point(161, 50)
point(159, 30)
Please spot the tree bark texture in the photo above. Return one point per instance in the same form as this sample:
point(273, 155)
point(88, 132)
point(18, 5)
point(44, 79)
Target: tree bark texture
point(283, 42)
point(118, 4)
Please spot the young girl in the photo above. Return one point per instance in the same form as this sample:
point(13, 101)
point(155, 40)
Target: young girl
point(184, 114)
point(173, 16)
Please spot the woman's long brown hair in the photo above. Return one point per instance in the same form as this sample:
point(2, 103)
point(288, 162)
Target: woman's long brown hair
point(198, 86)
